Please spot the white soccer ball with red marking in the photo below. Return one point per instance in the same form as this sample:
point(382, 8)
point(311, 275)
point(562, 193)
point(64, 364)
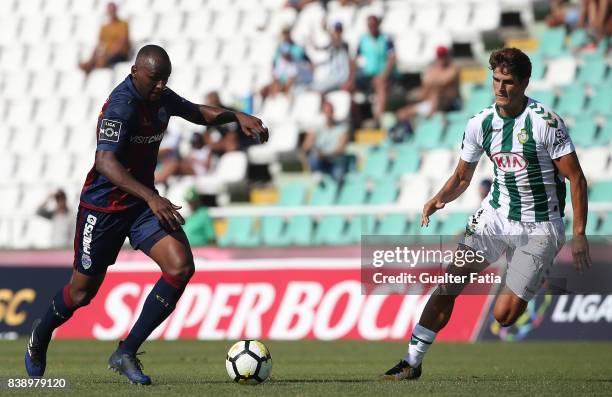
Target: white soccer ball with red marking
point(248, 362)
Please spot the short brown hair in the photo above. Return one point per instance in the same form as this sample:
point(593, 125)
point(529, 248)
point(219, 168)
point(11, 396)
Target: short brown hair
point(515, 61)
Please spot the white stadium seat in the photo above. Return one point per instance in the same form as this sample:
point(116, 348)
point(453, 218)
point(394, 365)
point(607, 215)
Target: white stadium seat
point(427, 18)
point(99, 81)
point(211, 78)
point(190, 5)
point(13, 57)
point(11, 196)
point(341, 101)
point(60, 28)
point(233, 52)
point(76, 111)
point(283, 138)
point(205, 52)
point(43, 84)
point(87, 29)
point(20, 112)
point(66, 57)
point(306, 109)
point(414, 191)
point(29, 167)
point(39, 57)
point(33, 29)
point(595, 168)
point(53, 138)
point(281, 18)
point(70, 84)
point(225, 23)
point(142, 26)
point(27, 8)
point(561, 71)
point(240, 80)
point(10, 28)
point(197, 25)
point(254, 22)
point(48, 111)
point(56, 7)
point(7, 169)
point(16, 85)
point(169, 27)
point(82, 7)
point(397, 22)
point(486, 15)
point(58, 167)
point(231, 168)
point(275, 108)
point(437, 162)
point(180, 52)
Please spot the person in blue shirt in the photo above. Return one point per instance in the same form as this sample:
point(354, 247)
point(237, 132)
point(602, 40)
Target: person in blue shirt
point(119, 200)
point(377, 51)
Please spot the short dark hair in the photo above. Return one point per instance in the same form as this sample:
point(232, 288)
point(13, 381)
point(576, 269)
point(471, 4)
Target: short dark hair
point(152, 50)
point(515, 61)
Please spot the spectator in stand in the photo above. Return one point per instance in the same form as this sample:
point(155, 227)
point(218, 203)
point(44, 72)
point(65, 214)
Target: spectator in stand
point(225, 137)
point(563, 13)
point(325, 147)
point(439, 89)
point(596, 15)
point(113, 43)
point(62, 220)
point(291, 67)
point(335, 71)
point(169, 156)
point(378, 54)
point(198, 226)
point(199, 161)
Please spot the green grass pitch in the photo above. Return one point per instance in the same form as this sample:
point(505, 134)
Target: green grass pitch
point(329, 368)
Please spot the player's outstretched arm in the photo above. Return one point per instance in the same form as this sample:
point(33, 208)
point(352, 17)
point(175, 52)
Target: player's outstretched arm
point(251, 126)
point(453, 188)
point(167, 213)
point(569, 166)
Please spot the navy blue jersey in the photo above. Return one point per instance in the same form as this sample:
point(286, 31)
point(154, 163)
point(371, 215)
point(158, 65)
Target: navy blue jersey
point(132, 128)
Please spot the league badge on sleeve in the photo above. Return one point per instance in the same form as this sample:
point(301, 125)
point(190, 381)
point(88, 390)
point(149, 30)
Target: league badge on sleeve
point(110, 130)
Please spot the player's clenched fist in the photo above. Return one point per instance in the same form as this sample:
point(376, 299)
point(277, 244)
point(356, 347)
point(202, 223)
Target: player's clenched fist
point(253, 126)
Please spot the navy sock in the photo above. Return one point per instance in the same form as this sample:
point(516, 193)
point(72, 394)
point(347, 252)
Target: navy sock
point(157, 307)
point(59, 312)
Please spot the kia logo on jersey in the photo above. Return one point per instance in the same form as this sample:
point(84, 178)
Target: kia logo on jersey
point(509, 162)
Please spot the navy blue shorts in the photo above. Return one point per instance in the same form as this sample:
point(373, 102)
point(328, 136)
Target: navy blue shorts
point(100, 235)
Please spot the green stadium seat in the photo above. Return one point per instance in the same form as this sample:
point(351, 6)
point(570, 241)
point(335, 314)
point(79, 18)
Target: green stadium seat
point(431, 230)
point(359, 225)
point(393, 225)
point(545, 97)
point(407, 160)
point(240, 232)
point(458, 116)
point(376, 163)
point(428, 133)
point(454, 134)
point(606, 225)
point(601, 192)
point(385, 191)
point(324, 192)
point(571, 101)
point(583, 131)
point(478, 100)
point(454, 224)
point(592, 72)
point(299, 230)
point(578, 38)
point(601, 102)
point(552, 43)
point(605, 135)
point(273, 227)
point(538, 67)
point(353, 191)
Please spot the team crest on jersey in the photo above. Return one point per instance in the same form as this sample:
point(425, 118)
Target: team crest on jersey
point(162, 115)
point(109, 130)
point(523, 136)
point(509, 162)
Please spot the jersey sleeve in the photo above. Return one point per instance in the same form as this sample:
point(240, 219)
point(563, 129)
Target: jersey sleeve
point(179, 106)
point(113, 126)
point(557, 140)
point(471, 145)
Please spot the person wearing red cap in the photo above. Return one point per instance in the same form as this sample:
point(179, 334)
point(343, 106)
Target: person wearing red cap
point(439, 89)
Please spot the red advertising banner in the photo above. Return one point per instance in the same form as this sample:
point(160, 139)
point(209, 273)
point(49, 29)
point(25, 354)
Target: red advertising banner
point(273, 299)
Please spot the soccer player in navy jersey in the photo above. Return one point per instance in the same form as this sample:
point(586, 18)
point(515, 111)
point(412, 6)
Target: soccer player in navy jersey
point(119, 200)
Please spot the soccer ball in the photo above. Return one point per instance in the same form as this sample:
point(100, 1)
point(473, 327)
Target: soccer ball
point(248, 362)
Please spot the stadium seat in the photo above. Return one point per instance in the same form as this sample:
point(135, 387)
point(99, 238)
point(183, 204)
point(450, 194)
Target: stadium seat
point(376, 163)
point(274, 228)
point(225, 23)
point(384, 191)
point(606, 225)
point(597, 164)
point(283, 138)
point(197, 26)
point(561, 71)
point(29, 168)
point(300, 230)
point(53, 137)
point(601, 102)
point(99, 81)
point(275, 108)
point(414, 192)
point(605, 135)
point(546, 97)
point(58, 167)
point(436, 162)
point(19, 111)
point(577, 39)
point(33, 27)
point(453, 224)
point(406, 160)
point(27, 8)
point(231, 168)
point(212, 78)
point(601, 192)
point(409, 51)
point(10, 28)
point(428, 133)
point(87, 29)
point(432, 230)
point(583, 131)
point(571, 101)
point(43, 84)
point(7, 170)
point(339, 13)
point(16, 84)
point(454, 134)
point(456, 19)
point(279, 18)
point(77, 111)
point(306, 110)
point(592, 72)
point(66, 58)
point(479, 99)
point(427, 18)
point(397, 20)
point(486, 15)
point(13, 57)
point(341, 101)
point(240, 233)
point(552, 42)
point(392, 225)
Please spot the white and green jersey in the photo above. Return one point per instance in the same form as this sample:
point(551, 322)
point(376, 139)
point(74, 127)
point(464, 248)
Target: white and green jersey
point(527, 185)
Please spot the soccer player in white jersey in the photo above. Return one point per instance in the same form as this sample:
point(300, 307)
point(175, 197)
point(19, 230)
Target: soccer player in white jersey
point(522, 216)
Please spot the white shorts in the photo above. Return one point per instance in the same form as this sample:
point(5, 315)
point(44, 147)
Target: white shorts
point(530, 247)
